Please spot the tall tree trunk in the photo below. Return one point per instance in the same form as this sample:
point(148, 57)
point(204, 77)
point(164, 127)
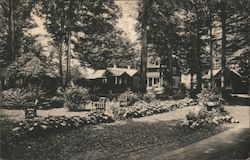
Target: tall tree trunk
point(170, 78)
point(61, 43)
point(144, 55)
point(192, 66)
point(191, 85)
point(198, 60)
point(68, 17)
point(211, 51)
point(61, 63)
point(11, 42)
point(68, 57)
point(223, 58)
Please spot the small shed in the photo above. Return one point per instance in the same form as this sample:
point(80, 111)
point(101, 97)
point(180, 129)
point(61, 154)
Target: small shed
point(233, 80)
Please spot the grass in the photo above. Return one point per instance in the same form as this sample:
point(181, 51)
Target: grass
point(114, 141)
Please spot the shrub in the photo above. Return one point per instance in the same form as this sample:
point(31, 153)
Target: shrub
point(49, 103)
point(143, 108)
point(55, 124)
point(119, 112)
point(149, 97)
point(128, 96)
point(209, 96)
point(16, 97)
point(75, 96)
point(205, 118)
point(101, 117)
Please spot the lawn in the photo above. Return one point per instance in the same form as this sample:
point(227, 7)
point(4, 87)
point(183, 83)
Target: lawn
point(121, 140)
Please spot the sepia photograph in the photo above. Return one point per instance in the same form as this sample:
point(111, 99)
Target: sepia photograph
point(124, 80)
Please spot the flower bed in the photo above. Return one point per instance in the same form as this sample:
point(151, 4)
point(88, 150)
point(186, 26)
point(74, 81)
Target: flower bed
point(205, 118)
point(53, 124)
point(143, 108)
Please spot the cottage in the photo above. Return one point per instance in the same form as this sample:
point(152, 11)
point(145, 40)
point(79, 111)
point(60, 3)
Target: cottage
point(154, 75)
point(159, 75)
point(233, 81)
point(112, 78)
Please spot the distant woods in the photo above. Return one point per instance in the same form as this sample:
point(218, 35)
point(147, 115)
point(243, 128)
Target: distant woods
point(83, 30)
point(203, 34)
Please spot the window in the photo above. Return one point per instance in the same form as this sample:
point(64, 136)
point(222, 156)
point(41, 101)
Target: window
point(150, 82)
point(120, 80)
point(156, 80)
point(105, 80)
point(116, 80)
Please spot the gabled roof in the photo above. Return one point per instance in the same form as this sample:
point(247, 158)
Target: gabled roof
point(217, 71)
point(97, 74)
point(88, 73)
point(116, 71)
point(120, 71)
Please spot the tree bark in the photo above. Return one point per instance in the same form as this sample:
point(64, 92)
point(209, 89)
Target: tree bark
point(211, 50)
point(68, 57)
point(144, 54)
point(62, 42)
point(198, 59)
point(170, 78)
point(223, 58)
point(11, 43)
point(210, 16)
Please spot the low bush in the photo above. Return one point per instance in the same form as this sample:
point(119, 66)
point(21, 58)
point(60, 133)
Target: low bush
point(149, 97)
point(76, 96)
point(204, 118)
point(15, 98)
point(209, 96)
point(143, 108)
point(129, 97)
point(101, 117)
point(118, 113)
point(49, 103)
point(55, 124)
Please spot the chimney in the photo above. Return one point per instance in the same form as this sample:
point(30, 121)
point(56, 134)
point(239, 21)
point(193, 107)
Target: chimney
point(114, 66)
point(128, 66)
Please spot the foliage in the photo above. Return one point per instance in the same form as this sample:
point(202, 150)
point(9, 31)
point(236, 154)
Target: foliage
point(112, 139)
point(91, 24)
point(53, 102)
point(16, 97)
point(149, 97)
point(210, 96)
point(100, 117)
point(30, 66)
point(24, 42)
point(129, 97)
point(48, 125)
point(143, 108)
point(119, 112)
point(205, 118)
point(76, 96)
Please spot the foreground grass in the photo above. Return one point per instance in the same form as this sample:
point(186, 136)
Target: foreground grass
point(128, 140)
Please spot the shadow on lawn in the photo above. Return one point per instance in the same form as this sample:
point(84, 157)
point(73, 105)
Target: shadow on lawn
point(111, 142)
